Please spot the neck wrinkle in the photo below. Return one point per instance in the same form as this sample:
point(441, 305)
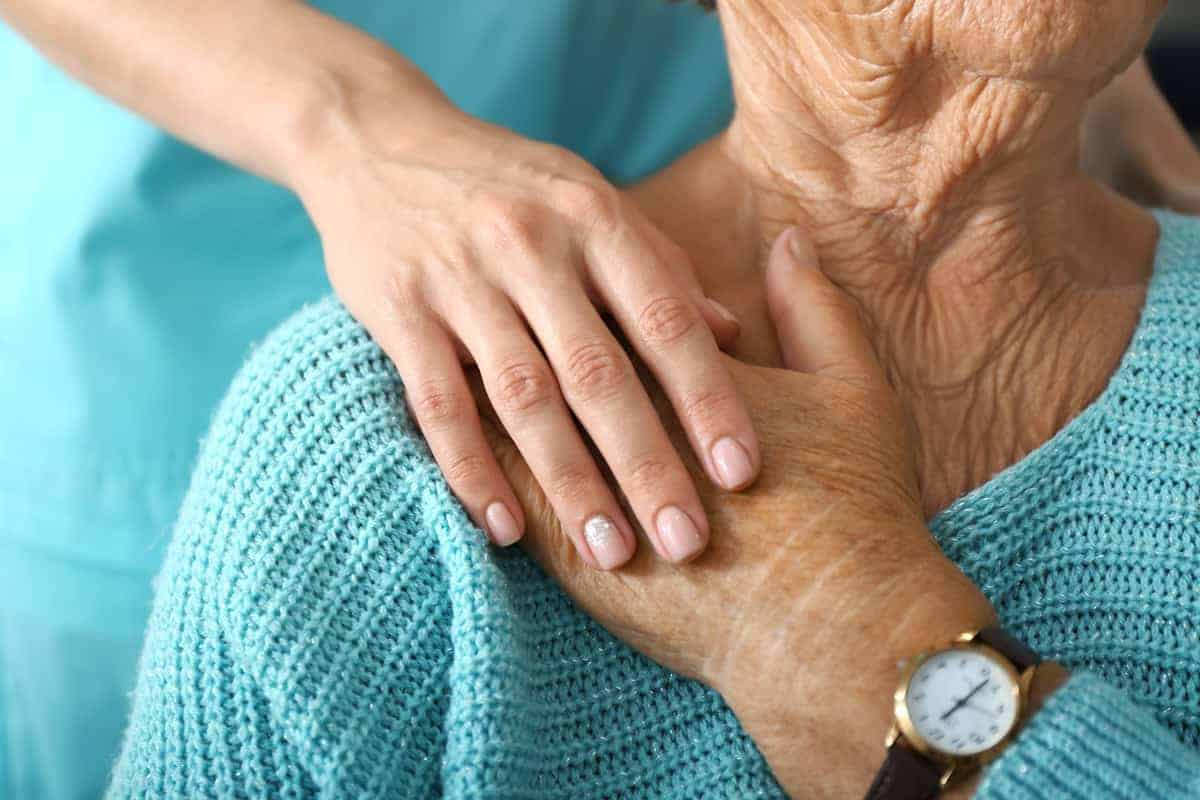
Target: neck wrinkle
point(898, 171)
point(1000, 284)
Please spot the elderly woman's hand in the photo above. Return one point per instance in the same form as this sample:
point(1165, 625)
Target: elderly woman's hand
point(817, 580)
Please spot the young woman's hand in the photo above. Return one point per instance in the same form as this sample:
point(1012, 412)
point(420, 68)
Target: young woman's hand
point(474, 244)
point(820, 578)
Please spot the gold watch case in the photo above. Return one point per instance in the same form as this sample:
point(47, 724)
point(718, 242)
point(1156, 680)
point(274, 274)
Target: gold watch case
point(902, 725)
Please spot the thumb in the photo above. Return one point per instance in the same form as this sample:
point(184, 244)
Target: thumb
point(817, 323)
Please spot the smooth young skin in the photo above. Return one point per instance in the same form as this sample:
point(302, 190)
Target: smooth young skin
point(429, 217)
point(450, 240)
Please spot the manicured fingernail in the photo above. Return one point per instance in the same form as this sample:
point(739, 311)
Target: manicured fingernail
point(606, 542)
point(732, 462)
point(502, 525)
point(724, 313)
point(801, 248)
point(677, 534)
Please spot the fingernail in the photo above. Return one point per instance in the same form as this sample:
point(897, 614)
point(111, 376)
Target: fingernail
point(801, 248)
point(724, 313)
point(678, 535)
point(734, 469)
point(501, 524)
point(607, 544)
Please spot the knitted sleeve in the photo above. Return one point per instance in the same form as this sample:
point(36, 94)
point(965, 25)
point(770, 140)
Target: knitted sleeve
point(1091, 742)
point(300, 641)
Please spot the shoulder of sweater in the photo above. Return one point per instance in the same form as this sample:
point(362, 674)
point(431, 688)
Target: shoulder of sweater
point(304, 599)
point(313, 478)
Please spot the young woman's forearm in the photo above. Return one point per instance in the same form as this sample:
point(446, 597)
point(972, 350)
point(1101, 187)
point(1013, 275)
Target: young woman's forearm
point(259, 83)
point(445, 235)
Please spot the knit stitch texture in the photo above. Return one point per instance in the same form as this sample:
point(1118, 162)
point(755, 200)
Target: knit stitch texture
point(329, 623)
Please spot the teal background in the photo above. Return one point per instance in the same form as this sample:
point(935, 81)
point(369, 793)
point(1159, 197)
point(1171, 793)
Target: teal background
point(136, 272)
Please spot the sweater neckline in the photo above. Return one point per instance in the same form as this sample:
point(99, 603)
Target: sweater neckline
point(1178, 241)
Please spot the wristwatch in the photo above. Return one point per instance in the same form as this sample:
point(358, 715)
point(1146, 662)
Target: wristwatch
point(955, 709)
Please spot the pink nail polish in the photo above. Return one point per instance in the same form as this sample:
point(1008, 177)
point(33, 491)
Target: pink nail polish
point(502, 525)
point(732, 463)
point(678, 534)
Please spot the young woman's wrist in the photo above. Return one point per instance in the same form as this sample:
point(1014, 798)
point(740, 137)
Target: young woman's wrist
point(357, 98)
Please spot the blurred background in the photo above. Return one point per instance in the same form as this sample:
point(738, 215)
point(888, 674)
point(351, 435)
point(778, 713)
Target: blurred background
point(1173, 59)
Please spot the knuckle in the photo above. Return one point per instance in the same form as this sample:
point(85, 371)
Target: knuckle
point(400, 297)
point(595, 370)
point(666, 320)
point(523, 386)
point(436, 404)
point(589, 205)
point(707, 408)
point(568, 483)
point(464, 469)
point(515, 225)
point(649, 472)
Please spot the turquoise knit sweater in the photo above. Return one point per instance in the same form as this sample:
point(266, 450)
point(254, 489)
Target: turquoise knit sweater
point(329, 623)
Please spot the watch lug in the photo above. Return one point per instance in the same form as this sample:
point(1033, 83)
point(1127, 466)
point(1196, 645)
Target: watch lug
point(893, 735)
point(947, 775)
point(1026, 682)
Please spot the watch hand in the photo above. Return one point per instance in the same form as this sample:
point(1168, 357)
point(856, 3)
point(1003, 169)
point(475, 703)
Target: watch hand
point(960, 703)
point(957, 705)
point(975, 691)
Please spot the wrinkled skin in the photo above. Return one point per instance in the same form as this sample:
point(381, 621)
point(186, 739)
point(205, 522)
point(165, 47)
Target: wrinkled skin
point(999, 282)
point(998, 286)
point(822, 570)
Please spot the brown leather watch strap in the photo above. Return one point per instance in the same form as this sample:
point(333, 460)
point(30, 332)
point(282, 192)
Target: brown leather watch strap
point(1020, 654)
point(906, 775)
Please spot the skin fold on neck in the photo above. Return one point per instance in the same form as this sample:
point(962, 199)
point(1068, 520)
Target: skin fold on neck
point(1000, 284)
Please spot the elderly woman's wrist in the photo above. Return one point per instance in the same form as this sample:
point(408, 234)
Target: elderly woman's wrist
point(828, 700)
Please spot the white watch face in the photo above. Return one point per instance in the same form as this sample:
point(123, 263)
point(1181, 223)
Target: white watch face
point(962, 702)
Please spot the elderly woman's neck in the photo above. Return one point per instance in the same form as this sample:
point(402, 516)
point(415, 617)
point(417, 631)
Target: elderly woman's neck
point(900, 163)
point(1001, 286)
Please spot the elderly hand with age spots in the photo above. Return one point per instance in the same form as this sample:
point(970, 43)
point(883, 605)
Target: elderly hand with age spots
point(819, 578)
